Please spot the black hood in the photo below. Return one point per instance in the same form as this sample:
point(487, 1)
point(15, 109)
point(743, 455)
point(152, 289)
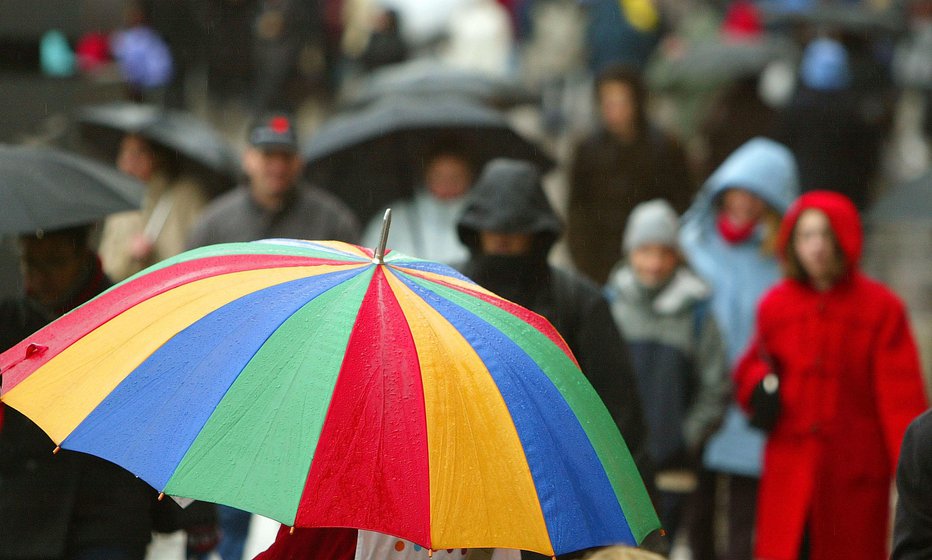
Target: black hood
point(508, 198)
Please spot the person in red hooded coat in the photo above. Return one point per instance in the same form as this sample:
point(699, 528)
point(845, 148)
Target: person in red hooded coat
point(834, 362)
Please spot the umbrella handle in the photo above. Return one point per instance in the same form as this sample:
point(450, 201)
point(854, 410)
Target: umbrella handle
point(378, 258)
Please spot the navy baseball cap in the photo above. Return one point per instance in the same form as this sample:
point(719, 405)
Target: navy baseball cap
point(274, 131)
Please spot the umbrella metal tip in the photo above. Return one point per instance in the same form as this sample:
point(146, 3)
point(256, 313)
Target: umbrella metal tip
point(379, 252)
point(56, 450)
point(161, 496)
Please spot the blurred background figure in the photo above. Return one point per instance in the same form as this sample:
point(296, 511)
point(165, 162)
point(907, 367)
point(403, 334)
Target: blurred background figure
point(288, 54)
point(621, 32)
point(144, 59)
point(836, 143)
point(728, 237)
point(848, 383)
point(181, 25)
point(480, 38)
point(736, 114)
point(132, 241)
point(627, 161)
point(424, 225)
point(66, 505)
point(663, 309)
point(182, 161)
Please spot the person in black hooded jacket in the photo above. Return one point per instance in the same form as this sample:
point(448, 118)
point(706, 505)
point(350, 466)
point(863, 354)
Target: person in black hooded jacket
point(70, 504)
point(912, 530)
point(509, 227)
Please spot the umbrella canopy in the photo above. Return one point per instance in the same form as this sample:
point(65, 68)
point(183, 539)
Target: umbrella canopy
point(711, 63)
point(910, 201)
point(839, 16)
point(370, 158)
point(431, 78)
point(44, 189)
point(316, 385)
point(103, 126)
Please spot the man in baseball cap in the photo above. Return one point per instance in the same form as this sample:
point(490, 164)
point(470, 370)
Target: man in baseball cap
point(275, 201)
point(275, 131)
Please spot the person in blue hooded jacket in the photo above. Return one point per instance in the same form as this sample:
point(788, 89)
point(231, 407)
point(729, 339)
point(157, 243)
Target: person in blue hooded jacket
point(728, 237)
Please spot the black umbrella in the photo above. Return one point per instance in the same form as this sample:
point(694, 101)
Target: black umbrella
point(430, 78)
point(838, 16)
point(195, 142)
point(46, 189)
point(715, 62)
point(374, 156)
point(910, 201)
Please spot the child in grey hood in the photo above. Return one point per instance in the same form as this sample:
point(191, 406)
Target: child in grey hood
point(675, 347)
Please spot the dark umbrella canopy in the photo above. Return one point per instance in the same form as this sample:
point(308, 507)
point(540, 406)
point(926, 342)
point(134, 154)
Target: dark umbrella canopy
point(374, 156)
point(434, 79)
point(103, 126)
point(910, 201)
point(46, 189)
point(715, 62)
point(840, 16)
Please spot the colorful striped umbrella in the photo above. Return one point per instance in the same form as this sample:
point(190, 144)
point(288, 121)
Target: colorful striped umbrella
point(316, 384)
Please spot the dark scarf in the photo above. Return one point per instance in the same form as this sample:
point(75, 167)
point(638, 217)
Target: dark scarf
point(515, 278)
point(92, 282)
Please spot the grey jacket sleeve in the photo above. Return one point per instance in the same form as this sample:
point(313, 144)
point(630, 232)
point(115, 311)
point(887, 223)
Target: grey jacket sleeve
point(713, 385)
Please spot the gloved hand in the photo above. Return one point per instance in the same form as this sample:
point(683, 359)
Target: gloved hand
point(765, 403)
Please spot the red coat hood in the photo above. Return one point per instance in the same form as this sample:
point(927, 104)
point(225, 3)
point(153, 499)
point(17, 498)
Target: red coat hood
point(842, 215)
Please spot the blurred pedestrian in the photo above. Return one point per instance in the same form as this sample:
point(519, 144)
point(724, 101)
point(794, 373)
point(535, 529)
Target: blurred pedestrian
point(180, 23)
point(833, 358)
point(144, 58)
point(424, 225)
point(827, 126)
point(275, 203)
point(132, 241)
point(621, 32)
point(288, 52)
point(626, 162)
point(737, 114)
point(677, 352)
point(728, 236)
point(228, 42)
point(509, 227)
point(480, 38)
point(66, 505)
point(912, 531)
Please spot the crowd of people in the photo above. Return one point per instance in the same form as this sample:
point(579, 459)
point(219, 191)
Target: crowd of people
point(711, 288)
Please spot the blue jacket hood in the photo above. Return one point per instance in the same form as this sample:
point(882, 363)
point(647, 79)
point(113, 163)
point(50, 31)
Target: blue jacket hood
point(761, 166)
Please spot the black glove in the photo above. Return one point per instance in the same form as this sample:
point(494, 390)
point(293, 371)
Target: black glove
point(765, 403)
